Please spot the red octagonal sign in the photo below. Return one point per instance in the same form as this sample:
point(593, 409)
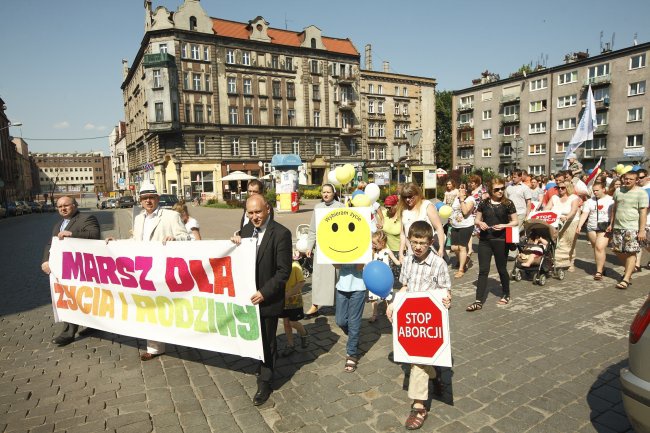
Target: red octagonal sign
point(419, 327)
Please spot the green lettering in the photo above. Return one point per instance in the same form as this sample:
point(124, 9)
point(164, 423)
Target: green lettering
point(200, 306)
point(183, 313)
point(225, 320)
point(247, 315)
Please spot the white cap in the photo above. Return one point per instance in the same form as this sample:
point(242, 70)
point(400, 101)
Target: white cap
point(148, 188)
point(572, 156)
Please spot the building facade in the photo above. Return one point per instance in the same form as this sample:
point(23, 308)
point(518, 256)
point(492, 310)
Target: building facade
point(119, 159)
point(73, 173)
point(8, 168)
point(206, 96)
point(27, 184)
point(527, 120)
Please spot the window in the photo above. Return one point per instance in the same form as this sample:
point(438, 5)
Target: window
point(187, 113)
point(567, 101)
point(635, 114)
point(510, 110)
point(196, 81)
point(466, 136)
point(162, 48)
point(248, 116)
point(598, 144)
point(234, 148)
point(232, 85)
point(561, 146)
point(207, 82)
point(315, 67)
point(196, 53)
point(316, 119)
point(398, 131)
point(184, 51)
point(487, 133)
point(288, 63)
point(466, 153)
point(536, 169)
point(253, 147)
point(372, 129)
point(405, 91)
point(276, 89)
point(601, 118)
point(186, 80)
point(192, 23)
point(634, 140)
point(232, 115)
point(316, 92)
point(539, 84)
point(381, 152)
point(337, 148)
point(246, 58)
point(248, 86)
point(156, 79)
point(397, 112)
point(230, 57)
point(371, 107)
point(353, 147)
point(371, 88)
point(275, 62)
point(380, 89)
point(486, 153)
point(198, 113)
point(537, 149)
point(202, 181)
point(277, 146)
point(637, 88)
point(200, 145)
point(405, 109)
point(637, 62)
point(291, 117)
point(536, 106)
point(465, 118)
point(277, 117)
point(380, 107)
point(569, 123)
point(598, 71)
point(537, 128)
point(381, 130)
point(467, 101)
point(396, 90)
point(295, 146)
point(487, 114)
point(159, 112)
point(566, 78)
point(372, 154)
point(601, 94)
point(291, 90)
point(486, 96)
point(206, 53)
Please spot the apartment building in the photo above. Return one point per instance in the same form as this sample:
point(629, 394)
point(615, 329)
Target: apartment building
point(65, 173)
point(206, 96)
point(27, 184)
point(392, 106)
point(527, 120)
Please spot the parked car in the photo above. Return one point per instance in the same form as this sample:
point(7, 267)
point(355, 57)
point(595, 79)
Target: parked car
point(126, 201)
point(48, 207)
point(23, 207)
point(167, 201)
point(110, 203)
point(635, 380)
point(12, 209)
point(3, 211)
point(35, 207)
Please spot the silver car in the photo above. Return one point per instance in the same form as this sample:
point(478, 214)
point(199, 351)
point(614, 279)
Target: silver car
point(635, 380)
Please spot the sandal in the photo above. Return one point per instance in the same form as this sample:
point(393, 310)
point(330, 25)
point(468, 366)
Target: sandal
point(598, 276)
point(623, 285)
point(475, 306)
point(637, 269)
point(469, 263)
point(459, 274)
point(505, 300)
point(351, 364)
point(149, 356)
point(416, 418)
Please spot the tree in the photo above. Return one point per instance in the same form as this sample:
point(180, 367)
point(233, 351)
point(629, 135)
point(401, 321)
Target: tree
point(444, 120)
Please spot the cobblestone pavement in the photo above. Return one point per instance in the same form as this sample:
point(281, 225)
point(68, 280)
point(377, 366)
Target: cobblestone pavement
point(548, 362)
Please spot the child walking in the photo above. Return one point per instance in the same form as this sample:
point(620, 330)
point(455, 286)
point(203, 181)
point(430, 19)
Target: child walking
point(293, 311)
point(422, 270)
point(350, 300)
point(382, 253)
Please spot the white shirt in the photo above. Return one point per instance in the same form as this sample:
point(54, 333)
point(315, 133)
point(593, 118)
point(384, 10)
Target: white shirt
point(519, 194)
point(598, 210)
point(457, 220)
point(64, 224)
point(149, 224)
point(191, 224)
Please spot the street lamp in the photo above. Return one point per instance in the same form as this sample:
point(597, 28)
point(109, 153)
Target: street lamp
point(12, 124)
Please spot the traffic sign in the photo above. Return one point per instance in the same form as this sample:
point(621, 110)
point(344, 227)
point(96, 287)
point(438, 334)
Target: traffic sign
point(421, 329)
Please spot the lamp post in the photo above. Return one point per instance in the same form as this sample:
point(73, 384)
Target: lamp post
point(11, 124)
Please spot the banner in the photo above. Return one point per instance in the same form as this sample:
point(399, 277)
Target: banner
point(343, 235)
point(586, 127)
point(195, 294)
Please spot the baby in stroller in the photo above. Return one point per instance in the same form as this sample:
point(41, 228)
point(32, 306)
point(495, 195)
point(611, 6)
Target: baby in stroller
point(533, 251)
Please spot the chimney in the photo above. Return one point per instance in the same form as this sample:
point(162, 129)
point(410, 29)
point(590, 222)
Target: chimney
point(369, 57)
point(125, 68)
point(386, 66)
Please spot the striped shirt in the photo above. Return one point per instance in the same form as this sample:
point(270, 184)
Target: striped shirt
point(429, 274)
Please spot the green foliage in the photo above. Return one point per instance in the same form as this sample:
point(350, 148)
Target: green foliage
point(211, 201)
point(444, 119)
point(309, 192)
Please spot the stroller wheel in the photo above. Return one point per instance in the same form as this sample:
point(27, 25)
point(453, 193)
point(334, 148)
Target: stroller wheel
point(560, 274)
point(516, 275)
point(541, 280)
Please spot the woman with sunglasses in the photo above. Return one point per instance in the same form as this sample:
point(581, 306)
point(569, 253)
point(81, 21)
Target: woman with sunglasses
point(413, 207)
point(492, 217)
point(566, 204)
point(324, 276)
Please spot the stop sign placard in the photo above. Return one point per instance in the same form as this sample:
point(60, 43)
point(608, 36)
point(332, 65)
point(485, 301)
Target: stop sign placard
point(421, 329)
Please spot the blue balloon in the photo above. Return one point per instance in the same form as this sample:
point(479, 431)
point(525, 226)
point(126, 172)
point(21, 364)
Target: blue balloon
point(590, 171)
point(636, 168)
point(378, 278)
point(356, 193)
point(439, 204)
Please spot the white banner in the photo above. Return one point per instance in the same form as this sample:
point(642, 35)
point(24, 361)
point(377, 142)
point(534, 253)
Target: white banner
point(343, 235)
point(421, 328)
point(196, 294)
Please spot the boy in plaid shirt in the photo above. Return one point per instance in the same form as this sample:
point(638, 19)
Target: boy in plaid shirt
point(422, 270)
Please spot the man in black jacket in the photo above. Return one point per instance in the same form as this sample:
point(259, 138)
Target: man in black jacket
point(272, 270)
point(75, 225)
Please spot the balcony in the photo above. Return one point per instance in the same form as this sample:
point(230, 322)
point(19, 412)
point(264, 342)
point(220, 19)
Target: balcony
point(158, 60)
point(163, 126)
point(345, 104)
point(347, 78)
point(466, 143)
point(463, 126)
point(506, 99)
point(602, 104)
point(350, 130)
point(602, 80)
point(505, 157)
point(375, 115)
point(511, 118)
point(601, 130)
point(465, 107)
point(594, 153)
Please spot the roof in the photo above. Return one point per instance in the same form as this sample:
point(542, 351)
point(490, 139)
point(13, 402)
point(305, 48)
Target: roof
point(237, 30)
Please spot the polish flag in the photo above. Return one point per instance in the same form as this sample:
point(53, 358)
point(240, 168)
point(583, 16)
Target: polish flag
point(512, 235)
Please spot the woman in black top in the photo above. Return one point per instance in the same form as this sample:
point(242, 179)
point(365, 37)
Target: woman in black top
point(492, 217)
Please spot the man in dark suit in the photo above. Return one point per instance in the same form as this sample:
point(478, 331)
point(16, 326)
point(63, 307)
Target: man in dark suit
point(75, 225)
point(272, 270)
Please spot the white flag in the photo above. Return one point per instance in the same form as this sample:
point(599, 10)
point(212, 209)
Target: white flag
point(585, 129)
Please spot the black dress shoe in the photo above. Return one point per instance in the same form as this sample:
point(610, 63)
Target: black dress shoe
point(263, 393)
point(62, 340)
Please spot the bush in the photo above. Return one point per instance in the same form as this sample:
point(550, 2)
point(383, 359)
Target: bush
point(235, 204)
point(211, 201)
point(309, 193)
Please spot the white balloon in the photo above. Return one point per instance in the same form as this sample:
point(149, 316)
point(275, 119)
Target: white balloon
point(302, 245)
point(372, 191)
point(331, 178)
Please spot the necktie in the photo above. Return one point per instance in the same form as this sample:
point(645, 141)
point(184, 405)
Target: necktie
point(256, 236)
point(256, 232)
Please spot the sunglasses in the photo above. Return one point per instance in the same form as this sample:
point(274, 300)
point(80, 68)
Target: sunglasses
point(406, 197)
point(497, 189)
point(561, 187)
point(642, 177)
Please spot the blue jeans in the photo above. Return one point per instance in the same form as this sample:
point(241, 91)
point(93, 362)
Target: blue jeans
point(349, 309)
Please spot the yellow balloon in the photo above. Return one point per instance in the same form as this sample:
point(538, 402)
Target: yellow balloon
point(445, 211)
point(626, 169)
point(619, 168)
point(341, 175)
point(361, 200)
point(350, 170)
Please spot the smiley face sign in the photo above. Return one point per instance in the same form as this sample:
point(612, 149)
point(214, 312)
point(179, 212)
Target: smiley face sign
point(343, 235)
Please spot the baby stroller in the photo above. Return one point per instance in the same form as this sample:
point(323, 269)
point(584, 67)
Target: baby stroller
point(546, 266)
point(306, 263)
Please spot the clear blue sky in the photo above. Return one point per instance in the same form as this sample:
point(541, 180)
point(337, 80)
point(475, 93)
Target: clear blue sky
point(60, 64)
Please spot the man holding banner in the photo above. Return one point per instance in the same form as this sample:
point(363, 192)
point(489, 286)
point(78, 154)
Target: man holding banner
point(272, 270)
point(75, 225)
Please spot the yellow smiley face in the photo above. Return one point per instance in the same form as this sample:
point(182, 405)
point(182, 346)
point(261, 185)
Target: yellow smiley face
point(343, 235)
